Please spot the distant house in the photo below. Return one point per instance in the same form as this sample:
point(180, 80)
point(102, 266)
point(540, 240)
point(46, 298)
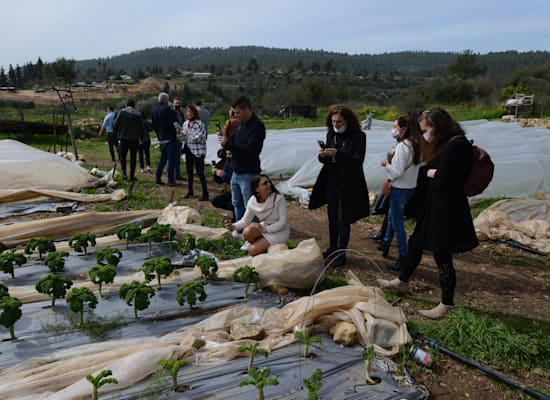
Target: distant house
point(202, 75)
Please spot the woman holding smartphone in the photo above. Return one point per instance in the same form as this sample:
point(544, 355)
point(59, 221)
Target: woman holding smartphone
point(341, 183)
point(194, 139)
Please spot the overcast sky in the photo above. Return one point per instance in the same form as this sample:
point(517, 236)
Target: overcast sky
point(83, 29)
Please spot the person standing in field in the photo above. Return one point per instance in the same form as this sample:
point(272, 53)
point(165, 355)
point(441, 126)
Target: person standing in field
point(204, 114)
point(444, 225)
point(245, 146)
point(107, 126)
point(341, 183)
point(194, 138)
point(178, 104)
point(164, 124)
point(130, 131)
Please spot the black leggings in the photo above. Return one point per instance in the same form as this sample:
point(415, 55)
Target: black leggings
point(339, 231)
point(447, 274)
point(125, 146)
point(198, 162)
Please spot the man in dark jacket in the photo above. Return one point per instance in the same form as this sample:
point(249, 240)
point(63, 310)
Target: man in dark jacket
point(130, 131)
point(164, 124)
point(245, 146)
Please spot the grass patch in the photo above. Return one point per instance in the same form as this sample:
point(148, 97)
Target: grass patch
point(503, 342)
point(212, 219)
point(481, 205)
point(330, 282)
point(505, 254)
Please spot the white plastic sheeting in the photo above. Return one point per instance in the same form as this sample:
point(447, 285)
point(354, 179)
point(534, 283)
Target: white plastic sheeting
point(25, 167)
point(521, 156)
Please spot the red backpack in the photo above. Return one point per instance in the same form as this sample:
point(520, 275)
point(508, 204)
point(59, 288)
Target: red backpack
point(481, 173)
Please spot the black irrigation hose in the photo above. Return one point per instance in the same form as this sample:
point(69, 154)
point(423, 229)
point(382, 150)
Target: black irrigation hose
point(518, 245)
point(434, 344)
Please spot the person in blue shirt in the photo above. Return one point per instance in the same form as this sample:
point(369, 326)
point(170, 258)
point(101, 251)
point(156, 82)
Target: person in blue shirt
point(108, 126)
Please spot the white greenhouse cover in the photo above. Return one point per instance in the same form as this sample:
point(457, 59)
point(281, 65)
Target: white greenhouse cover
point(24, 167)
point(521, 156)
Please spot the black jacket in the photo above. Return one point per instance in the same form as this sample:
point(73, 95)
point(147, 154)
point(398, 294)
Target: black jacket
point(163, 122)
point(445, 222)
point(246, 145)
point(344, 176)
point(128, 125)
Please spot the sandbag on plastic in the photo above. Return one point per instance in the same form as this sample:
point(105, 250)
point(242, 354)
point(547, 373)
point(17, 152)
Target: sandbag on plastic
point(68, 226)
point(526, 221)
point(186, 220)
point(298, 268)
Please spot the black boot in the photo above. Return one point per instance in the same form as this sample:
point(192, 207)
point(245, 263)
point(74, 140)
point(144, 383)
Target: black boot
point(396, 266)
point(328, 252)
point(384, 247)
point(338, 261)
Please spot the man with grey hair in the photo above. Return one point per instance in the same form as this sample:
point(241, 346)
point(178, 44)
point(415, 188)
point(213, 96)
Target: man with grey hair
point(165, 124)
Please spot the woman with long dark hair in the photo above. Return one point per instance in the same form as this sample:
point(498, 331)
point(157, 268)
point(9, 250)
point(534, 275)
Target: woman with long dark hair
point(444, 225)
point(341, 183)
point(269, 208)
point(194, 137)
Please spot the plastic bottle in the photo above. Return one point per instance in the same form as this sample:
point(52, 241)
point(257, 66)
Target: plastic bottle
point(421, 356)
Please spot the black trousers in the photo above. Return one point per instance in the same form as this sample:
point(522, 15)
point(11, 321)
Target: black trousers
point(192, 162)
point(339, 231)
point(112, 141)
point(131, 146)
point(223, 201)
point(447, 274)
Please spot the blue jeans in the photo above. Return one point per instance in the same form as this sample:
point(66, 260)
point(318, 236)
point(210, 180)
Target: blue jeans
point(396, 226)
point(240, 192)
point(169, 152)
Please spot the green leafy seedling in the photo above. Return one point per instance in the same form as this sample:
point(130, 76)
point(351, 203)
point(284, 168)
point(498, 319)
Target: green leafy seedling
point(248, 275)
point(172, 366)
point(314, 384)
point(55, 261)
point(78, 297)
point(252, 350)
point(3, 291)
point(54, 285)
point(100, 380)
point(81, 241)
point(159, 267)
point(189, 292)
point(11, 312)
point(306, 340)
point(157, 233)
point(130, 232)
point(138, 294)
point(108, 255)
point(368, 355)
point(9, 259)
point(42, 244)
point(207, 265)
point(100, 274)
point(260, 379)
point(2, 247)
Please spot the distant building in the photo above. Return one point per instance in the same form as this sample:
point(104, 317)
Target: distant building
point(202, 75)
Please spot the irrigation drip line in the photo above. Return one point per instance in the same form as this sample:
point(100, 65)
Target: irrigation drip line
point(518, 245)
point(434, 344)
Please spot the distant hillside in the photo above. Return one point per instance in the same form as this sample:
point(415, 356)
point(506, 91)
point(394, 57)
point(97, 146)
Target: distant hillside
point(411, 64)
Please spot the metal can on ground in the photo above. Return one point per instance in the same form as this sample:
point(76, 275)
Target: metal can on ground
point(422, 356)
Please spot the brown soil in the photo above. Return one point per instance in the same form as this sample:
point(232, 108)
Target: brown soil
point(483, 283)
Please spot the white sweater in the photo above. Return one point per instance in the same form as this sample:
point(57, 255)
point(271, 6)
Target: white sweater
point(402, 171)
point(273, 216)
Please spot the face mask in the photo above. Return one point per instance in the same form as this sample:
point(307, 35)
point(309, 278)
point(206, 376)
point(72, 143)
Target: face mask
point(427, 136)
point(342, 129)
point(395, 133)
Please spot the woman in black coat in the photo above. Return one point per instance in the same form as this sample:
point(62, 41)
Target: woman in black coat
point(341, 183)
point(445, 224)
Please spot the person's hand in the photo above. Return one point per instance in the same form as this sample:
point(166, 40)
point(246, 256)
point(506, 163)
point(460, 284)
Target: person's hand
point(331, 152)
point(383, 162)
point(386, 187)
point(431, 172)
point(229, 225)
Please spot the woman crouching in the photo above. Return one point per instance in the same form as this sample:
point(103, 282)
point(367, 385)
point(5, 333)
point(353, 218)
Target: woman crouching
point(269, 208)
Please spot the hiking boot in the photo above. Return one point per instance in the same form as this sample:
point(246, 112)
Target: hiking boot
point(204, 197)
point(396, 266)
point(338, 261)
point(328, 252)
point(159, 182)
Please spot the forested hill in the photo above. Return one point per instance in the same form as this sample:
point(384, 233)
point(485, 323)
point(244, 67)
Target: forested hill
point(234, 59)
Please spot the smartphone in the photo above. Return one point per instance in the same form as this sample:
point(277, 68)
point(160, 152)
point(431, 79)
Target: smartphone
point(218, 127)
point(321, 144)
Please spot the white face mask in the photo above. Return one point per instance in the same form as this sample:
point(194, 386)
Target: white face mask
point(395, 133)
point(427, 136)
point(342, 129)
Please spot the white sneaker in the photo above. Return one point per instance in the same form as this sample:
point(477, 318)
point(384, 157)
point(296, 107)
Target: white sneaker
point(148, 169)
point(141, 170)
point(236, 235)
point(245, 246)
